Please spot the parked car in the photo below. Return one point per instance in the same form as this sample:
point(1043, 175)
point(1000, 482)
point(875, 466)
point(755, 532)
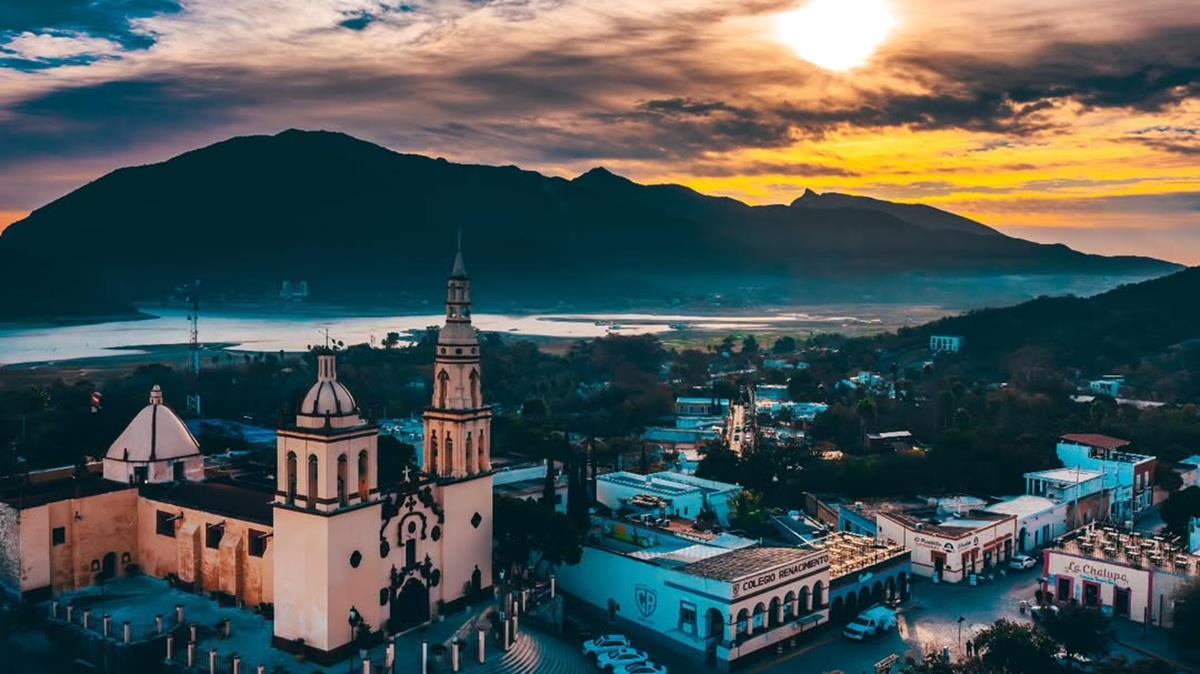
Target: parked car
point(618, 658)
point(646, 667)
point(1021, 562)
point(604, 643)
point(873, 621)
point(1043, 613)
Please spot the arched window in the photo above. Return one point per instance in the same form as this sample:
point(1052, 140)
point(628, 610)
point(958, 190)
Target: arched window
point(432, 468)
point(742, 622)
point(342, 477)
point(789, 606)
point(472, 465)
point(443, 388)
point(759, 616)
point(291, 477)
point(818, 595)
point(364, 475)
point(474, 388)
point(482, 452)
point(802, 602)
point(450, 463)
point(313, 480)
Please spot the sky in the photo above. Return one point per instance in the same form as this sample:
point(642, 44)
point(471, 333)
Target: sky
point(1074, 121)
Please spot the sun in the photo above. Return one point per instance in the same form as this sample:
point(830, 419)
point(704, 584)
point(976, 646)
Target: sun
point(837, 35)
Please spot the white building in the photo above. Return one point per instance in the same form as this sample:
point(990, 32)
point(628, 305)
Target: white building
point(953, 549)
point(1109, 385)
point(695, 406)
point(945, 343)
point(1039, 519)
point(1135, 577)
point(1081, 491)
point(155, 447)
point(683, 495)
point(1128, 476)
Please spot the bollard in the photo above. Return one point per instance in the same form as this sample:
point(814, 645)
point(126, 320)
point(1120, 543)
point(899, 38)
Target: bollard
point(192, 633)
point(507, 627)
point(516, 625)
point(389, 658)
point(482, 646)
point(104, 624)
point(226, 628)
point(158, 624)
point(366, 662)
point(237, 664)
point(128, 630)
point(191, 655)
point(86, 614)
point(179, 613)
point(553, 585)
point(454, 664)
point(261, 669)
point(424, 657)
point(54, 609)
point(212, 661)
point(70, 612)
point(170, 646)
point(524, 600)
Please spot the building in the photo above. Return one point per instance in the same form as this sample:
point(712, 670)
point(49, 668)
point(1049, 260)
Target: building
point(680, 495)
point(1039, 519)
point(527, 482)
point(945, 343)
point(863, 572)
point(890, 442)
point(701, 407)
point(324, 539)
point(1134, 576)
point(1082, 490)
point(953, 549)
point(1128, 476)
point(1109, 385)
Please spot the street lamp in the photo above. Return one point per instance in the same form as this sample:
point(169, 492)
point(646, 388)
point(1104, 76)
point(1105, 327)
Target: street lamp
point(961, 620)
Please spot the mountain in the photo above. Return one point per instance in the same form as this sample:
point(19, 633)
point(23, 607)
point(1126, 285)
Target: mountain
point(1098, 334)
point(365, 225)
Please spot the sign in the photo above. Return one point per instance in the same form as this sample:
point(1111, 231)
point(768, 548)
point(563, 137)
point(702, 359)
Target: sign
point(646, 599)
point(778, 576)
point(1097, 571)
point(944, 545)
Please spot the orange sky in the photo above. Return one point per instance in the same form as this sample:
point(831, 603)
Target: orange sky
point(1062, 120)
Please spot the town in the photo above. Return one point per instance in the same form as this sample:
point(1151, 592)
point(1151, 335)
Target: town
point(808, 503)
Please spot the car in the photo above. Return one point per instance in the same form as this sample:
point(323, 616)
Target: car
point(646, 667)
point(1075, 661)
point(620, 657)
point(1043, 613)
point(1021, 562)
point(605, 643)
point(873, 621)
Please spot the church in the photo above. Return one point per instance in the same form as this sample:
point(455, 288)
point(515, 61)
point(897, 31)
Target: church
point(335, 552)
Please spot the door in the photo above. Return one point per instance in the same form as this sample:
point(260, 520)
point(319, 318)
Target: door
point(1063, 591)
point(939, 563)
point(1121, 601)
point(1091, 594)
point(108, 568)
point(409, 607)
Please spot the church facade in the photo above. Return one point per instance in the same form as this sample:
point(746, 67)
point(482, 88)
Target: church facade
point(338, 553)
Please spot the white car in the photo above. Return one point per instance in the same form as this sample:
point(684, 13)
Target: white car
point(871, 622)
point(605, 643)
point(646, 667)
point(1020, 562)
point(620, 658)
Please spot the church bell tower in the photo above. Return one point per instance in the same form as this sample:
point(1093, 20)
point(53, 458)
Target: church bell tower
point(457, 451)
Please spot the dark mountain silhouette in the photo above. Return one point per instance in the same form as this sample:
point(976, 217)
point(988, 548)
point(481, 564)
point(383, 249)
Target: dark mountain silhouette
point(366, 225)
point(1110, 330)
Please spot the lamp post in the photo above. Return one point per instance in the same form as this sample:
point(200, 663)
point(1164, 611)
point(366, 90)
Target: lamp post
point(961, 620)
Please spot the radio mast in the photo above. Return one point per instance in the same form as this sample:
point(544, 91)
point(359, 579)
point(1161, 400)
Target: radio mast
point(193, 398)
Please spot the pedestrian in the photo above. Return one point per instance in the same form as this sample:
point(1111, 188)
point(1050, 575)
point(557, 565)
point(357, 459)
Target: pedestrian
point(970, 648)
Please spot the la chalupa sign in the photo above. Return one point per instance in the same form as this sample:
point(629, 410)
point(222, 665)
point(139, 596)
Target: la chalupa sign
point(778, 576)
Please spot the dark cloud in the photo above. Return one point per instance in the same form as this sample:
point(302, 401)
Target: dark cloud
point(1183, 140)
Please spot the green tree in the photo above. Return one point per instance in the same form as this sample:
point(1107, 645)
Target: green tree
point(747, 513)
point(1015, 647)
point(1080, 631)
point(1186, 623)
point(784, 345)
point(1180, 508)
point(526, 531)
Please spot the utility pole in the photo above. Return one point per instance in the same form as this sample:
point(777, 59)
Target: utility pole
point(193, 398)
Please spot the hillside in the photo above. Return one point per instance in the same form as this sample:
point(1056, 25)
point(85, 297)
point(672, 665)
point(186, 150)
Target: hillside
point(1113, 330)
point(363, 224)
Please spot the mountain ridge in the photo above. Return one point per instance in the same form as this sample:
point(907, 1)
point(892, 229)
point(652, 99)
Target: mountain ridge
point(347, 215)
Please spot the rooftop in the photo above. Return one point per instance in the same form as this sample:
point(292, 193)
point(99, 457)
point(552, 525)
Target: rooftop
point(1095, 440)
point(1023, 506)
point(1065, 475)
point(852, 553)
point(1131, 548)
point(219, 498)
point(748, 562)
point(954, 527)
point(665, 483)
point(30, 490)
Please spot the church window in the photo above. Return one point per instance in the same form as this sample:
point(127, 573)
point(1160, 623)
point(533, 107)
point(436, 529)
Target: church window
point(443, 388)
point(342, 497)
point(433, 454)
point(449, 454)
point(355, 559)
point(58, 536)
point(213, 534)
point(164, 524)
point(474, 388)
point(410, 553)
point(256, 543)
point(364, 474)
point(177, 471)
point(458, 351)
point(291, 477)
point(435, 533)
point(476, 520)
point(313, 480)
point(471, 464)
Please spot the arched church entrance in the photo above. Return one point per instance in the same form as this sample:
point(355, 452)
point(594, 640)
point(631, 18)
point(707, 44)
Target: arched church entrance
point(410, 606)
point(476, 581)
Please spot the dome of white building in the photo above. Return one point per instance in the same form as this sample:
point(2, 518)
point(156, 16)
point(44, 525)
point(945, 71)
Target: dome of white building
point(328, 399)
point(151, 443)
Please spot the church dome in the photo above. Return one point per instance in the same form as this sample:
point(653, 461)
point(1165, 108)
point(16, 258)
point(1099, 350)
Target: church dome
point(155, 434)
point(328, 397)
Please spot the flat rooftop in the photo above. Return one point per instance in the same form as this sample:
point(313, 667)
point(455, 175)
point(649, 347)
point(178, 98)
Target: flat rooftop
point(665, 483)
point(250, 504)
point(30, 490)
point(953, 527)
point(1023, 506)
point(853, 553)
point(1065, 475)
point(745, 562)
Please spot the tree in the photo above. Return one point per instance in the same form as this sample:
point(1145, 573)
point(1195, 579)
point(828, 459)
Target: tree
point(749, 345)
point(719, 463)
point(1014, 647)
point(1180, 508)
point(391, 340)
point(1080, 631)
point(525, 531)
point(784, 345)
point(747, 512)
